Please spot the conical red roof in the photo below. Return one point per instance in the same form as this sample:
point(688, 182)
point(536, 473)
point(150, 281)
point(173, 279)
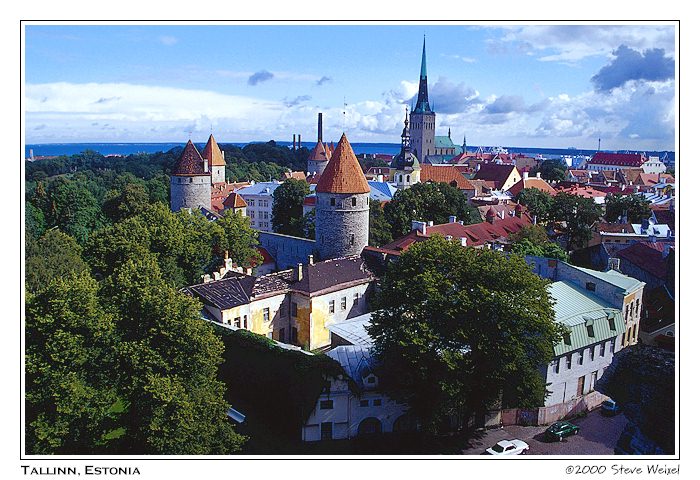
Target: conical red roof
point(343, 173)
point(212, 152)
point(190, 162)
point(319, 153)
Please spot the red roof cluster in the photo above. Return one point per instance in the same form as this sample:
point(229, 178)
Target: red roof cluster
point(618, 159)
point(447, 174)
point(648, 256)
point(495, 173)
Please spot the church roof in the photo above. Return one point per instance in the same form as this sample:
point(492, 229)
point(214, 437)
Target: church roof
point(343, 173)
point(190, 162)
point(212, 152)
point(443, 141)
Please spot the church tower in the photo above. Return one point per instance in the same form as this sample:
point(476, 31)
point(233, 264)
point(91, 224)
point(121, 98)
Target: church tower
point(342, 205)
point(405, 163)
point(319, 156)
point(422, 129)
point(190, 181)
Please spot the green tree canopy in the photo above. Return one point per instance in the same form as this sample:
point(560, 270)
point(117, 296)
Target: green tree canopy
point(538, 203)
point(458, 328)
point(577, 216)
point(288, 206)
point(130, 200)
point(379, 228)
point(635, 207)
point(73, 208)
point(552, 170)
point(53, 255)
point(427, 201)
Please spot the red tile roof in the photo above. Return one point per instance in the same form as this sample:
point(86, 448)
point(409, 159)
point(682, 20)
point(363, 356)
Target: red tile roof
point(294, 175)
point(647, 256)
point(320, 153)
point(537, 183)
point(495, 173)
point(190, 162)
point(343, 173)
point(212, 152)
point(585, 192)
point(447, 174)
point(618, 159)
point(234, 200)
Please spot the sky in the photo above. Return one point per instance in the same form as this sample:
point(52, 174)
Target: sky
point(550, 86)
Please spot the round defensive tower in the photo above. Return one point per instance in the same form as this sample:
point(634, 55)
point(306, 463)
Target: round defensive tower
point(318, 158)
point(190, 181)
point(342, 205)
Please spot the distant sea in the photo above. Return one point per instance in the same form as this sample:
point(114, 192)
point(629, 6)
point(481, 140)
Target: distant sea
point(55, 149)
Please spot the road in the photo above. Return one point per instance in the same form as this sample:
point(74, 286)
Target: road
point(598, 436)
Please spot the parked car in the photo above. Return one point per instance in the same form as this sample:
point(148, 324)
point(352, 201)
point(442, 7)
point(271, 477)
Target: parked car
point(559, 430)
point(609, 408)
point(508, 447)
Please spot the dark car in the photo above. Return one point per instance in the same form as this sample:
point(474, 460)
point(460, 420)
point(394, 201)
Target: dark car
point(558, 430)
point(609, 408)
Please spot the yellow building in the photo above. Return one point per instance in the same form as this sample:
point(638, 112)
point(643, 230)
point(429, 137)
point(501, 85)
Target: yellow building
point(293, 306)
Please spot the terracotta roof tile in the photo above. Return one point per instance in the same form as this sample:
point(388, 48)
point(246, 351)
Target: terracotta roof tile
point(319, 153)
point(343, 173)
point(495, 173)
point(537, 183)
point(212, 152)
point(618, 159)
point(234, 200)
point(446, 174)
point(190, 162)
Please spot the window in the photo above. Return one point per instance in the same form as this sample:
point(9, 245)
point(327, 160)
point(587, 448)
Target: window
point(567, 338)
point(332, 202)
point(245, 322)
point(352, 239)
point(331, 306)
point(266, 216)
point(327, 431)
point(283, 310)
point(568, 362)
point(580, 358)
point(355, 299)
point(281, 335)
point(592, 352)
point(636, 306)
point(343, 303)
point(602, 350)
point(377, 402)
point(266, 314)
point(364, 403)
point(581, 383)
point(326, 387)
point(251, 214)
point(294, 309)
point(556, 365)
point(326, 405)
point(354, 202)
point(590, 286)
point(294, 335)
point(237, 322)
point(594, 378)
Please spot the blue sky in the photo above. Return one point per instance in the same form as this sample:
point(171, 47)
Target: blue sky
point(516, 85)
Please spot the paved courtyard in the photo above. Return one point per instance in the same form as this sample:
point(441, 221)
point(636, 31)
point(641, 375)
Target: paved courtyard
point(598, 436)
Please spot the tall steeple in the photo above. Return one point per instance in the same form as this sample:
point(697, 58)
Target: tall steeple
point(422, 103)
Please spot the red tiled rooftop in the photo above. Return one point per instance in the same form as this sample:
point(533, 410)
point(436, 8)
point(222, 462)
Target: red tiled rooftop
point(343, 173)
point(190, 162)
point(537, 183)
point(618, 159)
point(446, 174)
point(212, 152)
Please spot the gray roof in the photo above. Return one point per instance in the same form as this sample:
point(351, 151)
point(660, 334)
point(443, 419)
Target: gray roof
point(262, 188)
point(615, 278)
point(356, 361)
point(354, 330)
point(577, 309)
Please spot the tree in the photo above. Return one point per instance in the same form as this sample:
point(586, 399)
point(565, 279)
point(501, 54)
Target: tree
point(73, 208)
point(34, 221)
point(53, 255)
point(635, 207)
point(548, 250)
point(538, 203)
point(237, 238)
point(168, 360)
point(577, 216)
point(552, 170)
point(131, 199)
point(288, 207)
point(70, 389)
point(458, 328)
point(425, 202)
point(379, 228)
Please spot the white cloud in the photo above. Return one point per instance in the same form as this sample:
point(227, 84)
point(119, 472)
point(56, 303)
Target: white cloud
point(167, 40)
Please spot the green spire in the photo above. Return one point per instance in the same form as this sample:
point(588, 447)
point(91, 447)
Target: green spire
point(423, 66)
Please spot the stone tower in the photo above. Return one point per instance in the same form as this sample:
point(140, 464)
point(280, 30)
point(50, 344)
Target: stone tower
point(216, 159)
point(422, 129)
point(319, 156)
point(190, 181)
point(342, 205)
point(405, 163)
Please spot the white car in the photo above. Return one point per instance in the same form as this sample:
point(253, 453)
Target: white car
point(508, 447)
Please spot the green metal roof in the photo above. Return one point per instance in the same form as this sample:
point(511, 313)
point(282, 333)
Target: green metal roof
point(613, 277)
point(577, 309)
point(444, 142)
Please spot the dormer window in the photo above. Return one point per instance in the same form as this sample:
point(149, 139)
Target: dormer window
point(590, 286)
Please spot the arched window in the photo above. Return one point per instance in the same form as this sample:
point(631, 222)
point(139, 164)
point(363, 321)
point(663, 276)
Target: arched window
point(369, 426)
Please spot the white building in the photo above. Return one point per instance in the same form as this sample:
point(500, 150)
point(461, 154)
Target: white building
point(351, 406)
point(259, 199)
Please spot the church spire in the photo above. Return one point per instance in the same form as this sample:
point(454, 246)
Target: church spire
point(422, 104)
point(405, 135)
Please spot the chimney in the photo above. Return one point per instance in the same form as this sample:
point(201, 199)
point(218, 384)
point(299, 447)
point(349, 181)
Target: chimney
point(294, 141)
point(453, 219)
point(248, 271)
point(299, 273)
point(380, 178)
point(526, 175)
point(206, 278)
point(539, 175)
point(461, 222)
point(320, 127)
point(311, 259)
point(614, 264)
point(430, 223)
point(463, 241)
point(299, 143)
point(419, 226)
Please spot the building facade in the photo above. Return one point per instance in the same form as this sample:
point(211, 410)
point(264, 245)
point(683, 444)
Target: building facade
point(190, 181)
point(259, 200)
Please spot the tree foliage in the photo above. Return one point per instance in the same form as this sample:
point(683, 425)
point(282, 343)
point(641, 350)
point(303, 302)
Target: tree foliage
point(458, 329)
point(425, 202)
point(288, 207)
point(577, 216)
point(538, 203)
point(53, 255)
point(552, 170)
point(634, 207)
point(379, 227)
point(533, 240)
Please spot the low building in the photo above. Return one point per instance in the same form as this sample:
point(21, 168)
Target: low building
point(351, 405)
point(259, 199)
point(503, 176)
point(448, 174)
point(530, 182)
point(603, 161)
point(293, 306)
